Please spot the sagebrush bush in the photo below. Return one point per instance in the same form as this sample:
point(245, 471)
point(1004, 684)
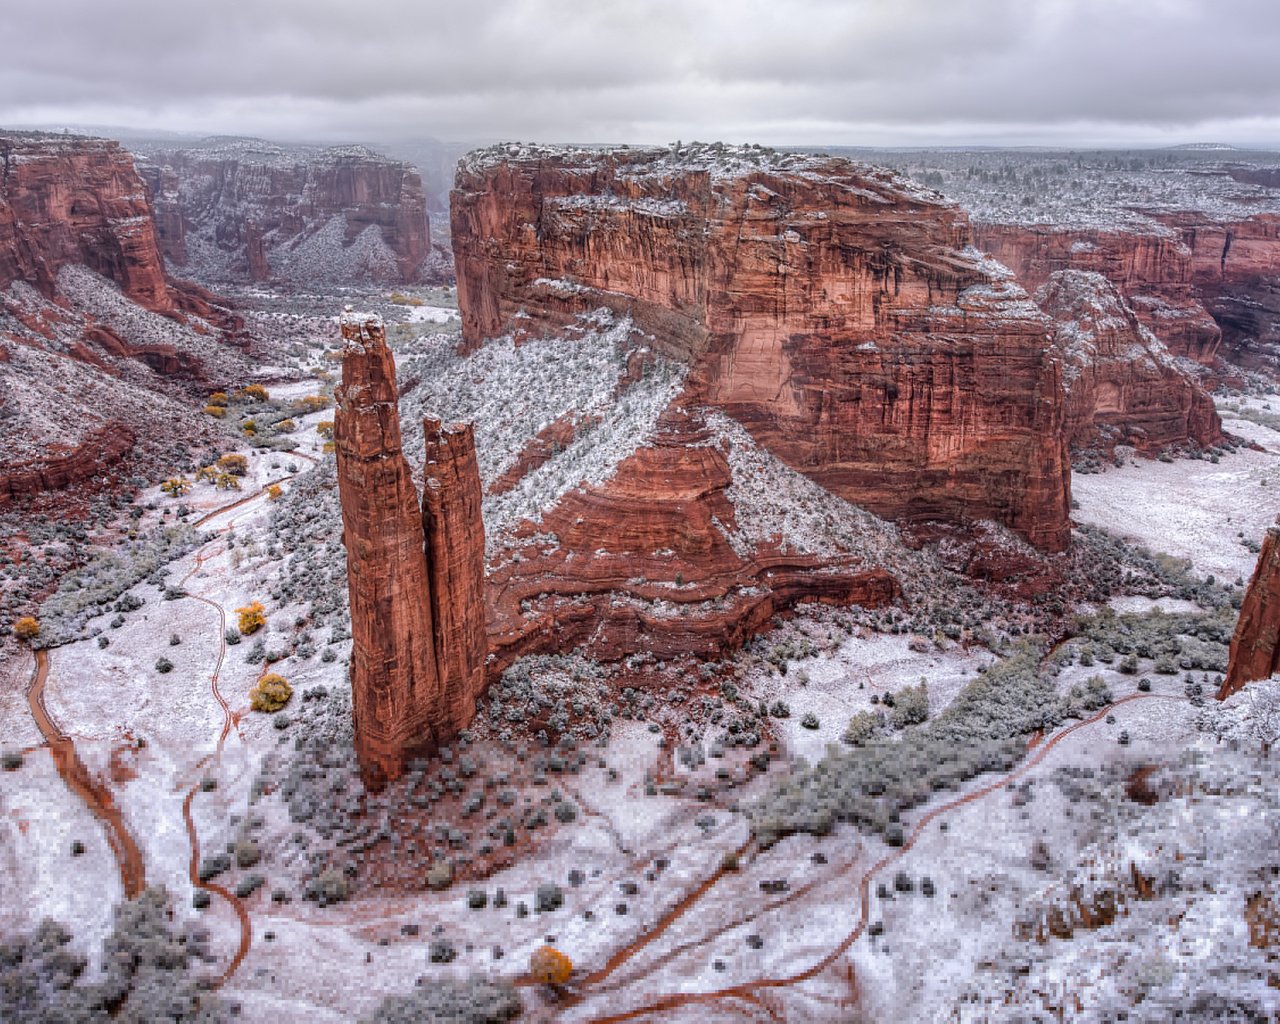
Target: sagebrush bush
point(270, 694)
point(251, 618)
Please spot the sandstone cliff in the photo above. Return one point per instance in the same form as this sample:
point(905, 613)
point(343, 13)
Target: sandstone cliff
point(835, 310)
point(1123, 386)
point(1255, 647)
point(245, 210)
point(1200, 284)
point(416, 653)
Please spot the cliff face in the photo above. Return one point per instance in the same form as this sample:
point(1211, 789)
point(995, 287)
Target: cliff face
point(410, 692)
point(832, 309)
point(249, 211)
point(1123, 387)
point(1255, 647)
point(74, 201)
point(1199, 284)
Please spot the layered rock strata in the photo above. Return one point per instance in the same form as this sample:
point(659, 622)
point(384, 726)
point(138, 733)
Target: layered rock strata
point(247, 210)
point(1123, 386)
point(413, 582)
point(833, 309)
point(1255, 646)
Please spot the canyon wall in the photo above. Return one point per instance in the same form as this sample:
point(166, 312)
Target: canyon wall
point(244, 210)
point(1255, 646)
point(833, 309)
point(1198, 283)
point(412, 580)
point(1123, 386)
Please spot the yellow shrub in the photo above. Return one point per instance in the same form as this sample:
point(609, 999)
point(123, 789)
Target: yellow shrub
point(176, 487)
point(548, 966)
point(216, 411)
point(218, 398)
point(400, 299)
point(251, 618)
point(274, 492)
point(207, 474)
point(253, 393)
point(249, 427)
point(314, 403)
point(325, 428)
point(286, 426)
point(270, 694)
point(26, 628)
point(329, 448)
point(236, 465)
point(227, 482)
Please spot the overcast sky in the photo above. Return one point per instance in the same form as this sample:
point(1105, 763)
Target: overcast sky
point(834, 72)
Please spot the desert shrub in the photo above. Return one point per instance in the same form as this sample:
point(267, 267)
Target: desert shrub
point(450, 1001)
point(868, 785)
point(176, 486)
point(251, 618)
point(234, 463)
point(253, 393)
point(274, 492)
point(249, 428)
point(862, 726)
point(549, 966)
point(325, 428)
point(271, 693)
point(164, 665)
point(810, 721)
point(330, 886)
point(26, 628)
point(910, 706)
point(548, 897)
point(286, 426)
point(227, 482)
point(314, 403)
point(216, 411)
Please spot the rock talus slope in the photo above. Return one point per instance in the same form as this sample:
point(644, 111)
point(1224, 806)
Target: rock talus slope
point(833, 309)
point(415, 658)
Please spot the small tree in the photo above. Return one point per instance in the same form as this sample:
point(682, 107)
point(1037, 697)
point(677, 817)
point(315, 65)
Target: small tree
point(1264, 714)
point(271, 693)
point(251, 618)
point(26, 628)
point(227, 482)
point(235, 464)
point(207, 474)
point(176, 486)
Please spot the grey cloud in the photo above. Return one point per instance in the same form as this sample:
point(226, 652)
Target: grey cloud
point(838, 71)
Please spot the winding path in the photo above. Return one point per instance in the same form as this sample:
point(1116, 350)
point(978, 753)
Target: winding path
point(749, 990)
point(95, 794)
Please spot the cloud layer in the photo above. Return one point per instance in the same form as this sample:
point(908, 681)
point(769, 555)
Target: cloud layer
point(850, 72)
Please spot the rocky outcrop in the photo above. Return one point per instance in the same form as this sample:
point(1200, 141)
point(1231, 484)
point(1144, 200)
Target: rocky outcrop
point(59, 469)
point(246, 210)
point(412, 689)
point(651, 561)
point(1255, 647)
point(1200, 284)
point(1123, 386)
point(834, 309)
point(69, 200)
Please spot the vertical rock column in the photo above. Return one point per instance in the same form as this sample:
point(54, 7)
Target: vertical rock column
point(1255, 647)
point(455, 562)
point(398, 700)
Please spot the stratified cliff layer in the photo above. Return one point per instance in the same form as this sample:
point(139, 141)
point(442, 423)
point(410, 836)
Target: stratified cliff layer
point(1200, 284)
point(1255, 646)
point(1123, 386)
point(246, 210)
point(413, 586)
point(834, 309)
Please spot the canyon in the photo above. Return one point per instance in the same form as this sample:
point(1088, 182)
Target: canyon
point(245, 210)
point(836, 311)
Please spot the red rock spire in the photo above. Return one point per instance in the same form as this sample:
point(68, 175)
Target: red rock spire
point(415, 584)
point(1255, 647)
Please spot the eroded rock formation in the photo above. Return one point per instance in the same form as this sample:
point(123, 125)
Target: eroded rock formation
point(412, 572)
point(1255, 646)
point(246, 210)
point(1123, 386)
point(831, 308)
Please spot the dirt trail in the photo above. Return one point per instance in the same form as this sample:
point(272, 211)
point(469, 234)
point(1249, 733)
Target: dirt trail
point(95, 794)
point(749, 990)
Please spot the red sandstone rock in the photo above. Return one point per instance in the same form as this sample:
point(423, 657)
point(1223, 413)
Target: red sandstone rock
point(1123, 387)
point(248, 201)
point(413, 579)
point(61, 469)
point(451, 499)
point(831, 308)
point(1255, 647)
